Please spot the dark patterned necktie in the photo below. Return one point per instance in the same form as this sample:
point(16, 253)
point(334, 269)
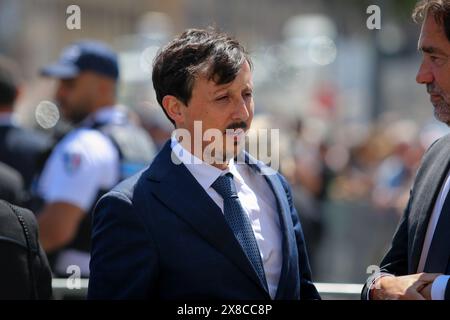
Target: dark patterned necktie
point(239, 222)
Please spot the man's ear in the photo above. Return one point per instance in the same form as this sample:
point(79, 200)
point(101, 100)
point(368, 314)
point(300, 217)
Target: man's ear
point(173, 107)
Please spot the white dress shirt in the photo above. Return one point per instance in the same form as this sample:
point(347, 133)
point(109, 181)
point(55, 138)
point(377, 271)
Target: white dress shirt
point(257, 199)
point(440, 283)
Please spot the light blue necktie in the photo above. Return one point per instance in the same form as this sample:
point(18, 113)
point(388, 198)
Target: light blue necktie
point(239, 222)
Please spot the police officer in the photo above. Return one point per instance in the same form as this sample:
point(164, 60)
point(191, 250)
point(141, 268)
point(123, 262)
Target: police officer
point(103, 148)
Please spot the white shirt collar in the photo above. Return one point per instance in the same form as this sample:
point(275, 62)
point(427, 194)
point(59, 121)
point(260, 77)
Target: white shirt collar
point(203, 172)
point(234, 169)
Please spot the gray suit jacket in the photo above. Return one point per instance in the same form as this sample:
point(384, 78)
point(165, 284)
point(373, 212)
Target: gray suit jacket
point(404, 255)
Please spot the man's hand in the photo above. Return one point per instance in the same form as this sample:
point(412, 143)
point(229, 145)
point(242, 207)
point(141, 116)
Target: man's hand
point(403, 288)
point(426, 291)
point(58, 224)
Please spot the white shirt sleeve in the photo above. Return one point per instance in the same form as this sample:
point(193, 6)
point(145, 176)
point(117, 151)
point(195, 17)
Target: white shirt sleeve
point(83, 163)
point(438, 287)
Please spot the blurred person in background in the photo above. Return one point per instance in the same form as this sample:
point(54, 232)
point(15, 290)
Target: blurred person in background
point(189, 227)
point(103, 148)
point(20, 148)
point(155, 123)
point(11, 185)
point(310, 179)
point(394, 176)
point(417, 266)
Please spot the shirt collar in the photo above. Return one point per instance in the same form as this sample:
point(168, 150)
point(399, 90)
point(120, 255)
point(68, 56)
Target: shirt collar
point(203, 172)
point(234, 169)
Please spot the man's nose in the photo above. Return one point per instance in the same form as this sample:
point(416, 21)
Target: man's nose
point(240, 111)
point(424, 75)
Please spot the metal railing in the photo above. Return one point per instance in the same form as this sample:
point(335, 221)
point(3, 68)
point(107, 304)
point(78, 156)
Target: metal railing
point(72, 289)
point(339, 291)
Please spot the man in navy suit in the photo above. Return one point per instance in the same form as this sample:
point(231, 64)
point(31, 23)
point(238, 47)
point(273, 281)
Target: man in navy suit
point(199, 225)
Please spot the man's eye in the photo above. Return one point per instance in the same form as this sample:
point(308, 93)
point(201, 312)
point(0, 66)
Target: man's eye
point(248, 94)
point(222, 98)
point(437, 60)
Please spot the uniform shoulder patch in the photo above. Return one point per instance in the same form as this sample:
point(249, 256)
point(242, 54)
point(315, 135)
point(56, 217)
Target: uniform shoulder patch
point(72, 162)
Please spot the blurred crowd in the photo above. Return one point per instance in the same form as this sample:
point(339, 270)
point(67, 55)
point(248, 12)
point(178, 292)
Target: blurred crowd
point(351, 186)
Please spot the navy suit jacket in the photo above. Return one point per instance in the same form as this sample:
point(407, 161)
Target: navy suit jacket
point(159, 235)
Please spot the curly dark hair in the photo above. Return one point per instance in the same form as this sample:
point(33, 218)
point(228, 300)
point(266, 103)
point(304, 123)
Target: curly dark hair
point(439, 10)
point(204, 52)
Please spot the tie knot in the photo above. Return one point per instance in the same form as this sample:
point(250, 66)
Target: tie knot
point(224, 185)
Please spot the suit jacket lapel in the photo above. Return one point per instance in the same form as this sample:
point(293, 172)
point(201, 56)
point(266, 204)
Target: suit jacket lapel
point(284, 214)
point(427, 193)
point(183, 195)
